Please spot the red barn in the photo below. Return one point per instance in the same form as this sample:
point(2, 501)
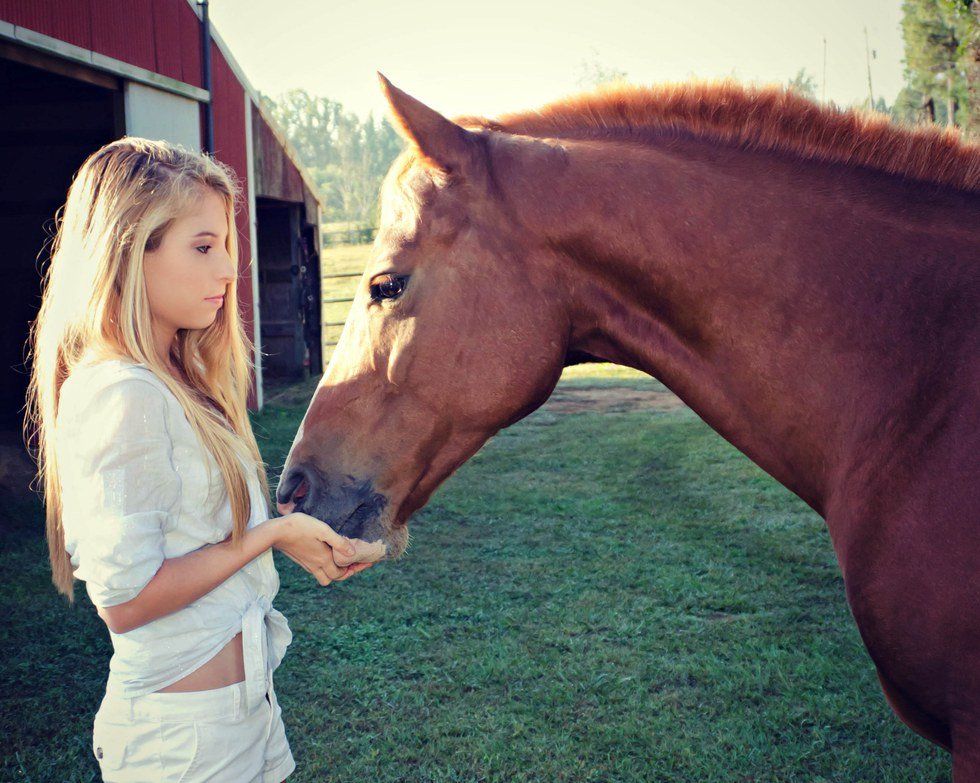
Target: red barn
point(76, 74)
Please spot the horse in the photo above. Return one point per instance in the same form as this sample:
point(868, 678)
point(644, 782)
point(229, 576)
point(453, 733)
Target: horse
point(804, 278)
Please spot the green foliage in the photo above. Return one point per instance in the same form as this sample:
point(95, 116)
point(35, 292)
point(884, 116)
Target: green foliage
point(803, 83)
point(594, 72)
point(347, 157)
point(942, 59)
point(966, 16)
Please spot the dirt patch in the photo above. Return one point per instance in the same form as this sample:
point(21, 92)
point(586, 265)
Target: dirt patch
point(610, 399)
point(290, 395)
point(565, 399)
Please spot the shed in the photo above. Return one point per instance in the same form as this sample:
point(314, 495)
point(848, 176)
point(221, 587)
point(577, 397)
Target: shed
point(76, 75)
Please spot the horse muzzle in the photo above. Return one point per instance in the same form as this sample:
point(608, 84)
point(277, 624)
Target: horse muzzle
point(351, 506)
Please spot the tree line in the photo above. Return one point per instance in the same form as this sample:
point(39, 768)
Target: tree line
point(942, 63)
point(347, 157)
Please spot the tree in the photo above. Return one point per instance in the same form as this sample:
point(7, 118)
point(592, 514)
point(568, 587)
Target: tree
point(594, 72)
point(346, 157)
point(942, 38)
point(965, 15)
point(804, 84)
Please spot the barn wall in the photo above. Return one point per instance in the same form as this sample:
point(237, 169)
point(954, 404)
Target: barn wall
point(275, 175)
point(228, 109)
point(162, 36)
point(288, 216)
point(158, 114)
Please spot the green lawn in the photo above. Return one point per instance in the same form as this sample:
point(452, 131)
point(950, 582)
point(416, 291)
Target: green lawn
point(333, 261)
point(615, 596)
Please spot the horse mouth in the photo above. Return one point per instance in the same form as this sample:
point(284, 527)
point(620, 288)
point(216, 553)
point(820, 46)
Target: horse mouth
point(352, 507)
point(364, 522)
point(358, 516)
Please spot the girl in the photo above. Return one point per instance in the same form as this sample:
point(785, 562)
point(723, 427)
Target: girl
point(155, 491)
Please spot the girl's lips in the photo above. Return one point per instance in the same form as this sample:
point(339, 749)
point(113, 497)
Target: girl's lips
point(216, 299)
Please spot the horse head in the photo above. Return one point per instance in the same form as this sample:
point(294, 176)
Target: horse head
point(456, 331)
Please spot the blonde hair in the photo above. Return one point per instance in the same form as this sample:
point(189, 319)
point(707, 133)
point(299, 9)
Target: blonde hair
point(122, 201)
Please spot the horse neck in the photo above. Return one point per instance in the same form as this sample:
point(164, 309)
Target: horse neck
point(744, 282)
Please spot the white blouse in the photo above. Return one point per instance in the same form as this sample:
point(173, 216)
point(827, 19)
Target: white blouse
point(137, 488)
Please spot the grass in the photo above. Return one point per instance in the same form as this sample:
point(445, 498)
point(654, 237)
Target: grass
point(336, 260)
point(593, 597)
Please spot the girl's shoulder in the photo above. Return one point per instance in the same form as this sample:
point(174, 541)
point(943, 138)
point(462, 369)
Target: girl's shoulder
point(91, 377)
point(97, 373)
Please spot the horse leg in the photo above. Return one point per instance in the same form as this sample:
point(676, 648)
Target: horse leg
point(912, 716)
point(966, 755)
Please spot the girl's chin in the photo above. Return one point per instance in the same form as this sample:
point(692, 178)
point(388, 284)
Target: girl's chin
point(205, 322)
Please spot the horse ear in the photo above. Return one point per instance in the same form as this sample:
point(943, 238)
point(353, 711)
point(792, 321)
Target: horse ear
point(440, 142)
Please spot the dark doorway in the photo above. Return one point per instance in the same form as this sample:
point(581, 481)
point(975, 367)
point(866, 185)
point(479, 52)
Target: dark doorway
point(53, 114)
point(289, 275)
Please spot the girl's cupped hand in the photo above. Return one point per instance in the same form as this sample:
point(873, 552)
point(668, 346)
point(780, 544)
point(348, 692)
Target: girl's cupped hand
point(319, 549)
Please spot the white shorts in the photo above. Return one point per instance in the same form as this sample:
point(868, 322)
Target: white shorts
point(192, 736)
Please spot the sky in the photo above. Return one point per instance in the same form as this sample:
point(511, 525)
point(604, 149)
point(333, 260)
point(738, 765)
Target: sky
point(505, 55)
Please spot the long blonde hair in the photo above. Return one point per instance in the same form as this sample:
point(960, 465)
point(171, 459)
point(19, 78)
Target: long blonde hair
point(122, 201)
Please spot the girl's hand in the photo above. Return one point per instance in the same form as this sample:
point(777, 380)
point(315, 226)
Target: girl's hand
point(366, 554)
point(312, 544)
point(355, 568)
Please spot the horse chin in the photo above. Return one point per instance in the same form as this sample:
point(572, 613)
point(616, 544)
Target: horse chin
point(374, 538)
point(390, 546)
point(396, 542)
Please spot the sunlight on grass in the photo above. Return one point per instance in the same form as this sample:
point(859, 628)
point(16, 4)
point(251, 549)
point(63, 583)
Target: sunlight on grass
point(592, 597)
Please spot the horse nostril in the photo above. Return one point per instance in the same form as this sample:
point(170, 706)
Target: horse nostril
point(293, 486)
point(301, 490)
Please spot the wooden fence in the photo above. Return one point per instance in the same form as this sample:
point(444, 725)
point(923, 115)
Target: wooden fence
point(348, 236)
point(329, 300)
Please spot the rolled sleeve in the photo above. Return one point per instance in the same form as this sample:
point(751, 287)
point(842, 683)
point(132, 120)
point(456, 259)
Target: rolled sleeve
point(121, 491)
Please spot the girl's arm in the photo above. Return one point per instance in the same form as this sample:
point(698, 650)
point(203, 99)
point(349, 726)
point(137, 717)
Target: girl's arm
point(120, 493)
point(182, 580)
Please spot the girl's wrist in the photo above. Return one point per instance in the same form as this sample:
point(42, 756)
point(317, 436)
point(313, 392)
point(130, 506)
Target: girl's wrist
point(271, 532)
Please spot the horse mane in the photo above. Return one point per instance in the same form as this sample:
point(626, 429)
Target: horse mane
point(762, 118)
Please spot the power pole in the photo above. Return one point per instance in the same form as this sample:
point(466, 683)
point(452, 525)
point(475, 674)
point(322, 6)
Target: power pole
point(206, 77)
point(823, 89)
point(867, 55)
point(950, 100)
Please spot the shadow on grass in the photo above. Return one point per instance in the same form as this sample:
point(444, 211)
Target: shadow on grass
point(592, 597)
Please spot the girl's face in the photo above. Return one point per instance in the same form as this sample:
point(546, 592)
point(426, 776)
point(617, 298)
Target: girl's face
point(190, 266)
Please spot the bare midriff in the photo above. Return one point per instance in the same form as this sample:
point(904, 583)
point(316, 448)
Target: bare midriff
point(225, 668)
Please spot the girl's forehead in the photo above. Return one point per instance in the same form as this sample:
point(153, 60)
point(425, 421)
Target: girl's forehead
point(206, 199)
point(204, 212)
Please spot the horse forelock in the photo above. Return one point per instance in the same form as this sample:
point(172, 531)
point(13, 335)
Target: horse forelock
point(400, 207)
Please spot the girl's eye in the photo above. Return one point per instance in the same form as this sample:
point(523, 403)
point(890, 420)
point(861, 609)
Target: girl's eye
point(206, 248)
point(388, 287)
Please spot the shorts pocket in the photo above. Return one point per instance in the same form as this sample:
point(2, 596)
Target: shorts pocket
point(109, 745)
point(225, 751)
point(180, 750)
point(276, 709)
point(278, 756)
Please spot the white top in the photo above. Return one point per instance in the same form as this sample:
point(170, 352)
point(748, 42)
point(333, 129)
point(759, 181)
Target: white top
point(137, 487)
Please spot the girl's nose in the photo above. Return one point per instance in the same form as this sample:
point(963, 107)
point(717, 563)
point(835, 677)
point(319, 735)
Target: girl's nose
point(229, 271)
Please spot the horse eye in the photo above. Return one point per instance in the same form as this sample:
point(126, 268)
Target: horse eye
point(388, 287)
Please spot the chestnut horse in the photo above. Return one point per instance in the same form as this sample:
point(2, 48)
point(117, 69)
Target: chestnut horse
point(806, 279)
